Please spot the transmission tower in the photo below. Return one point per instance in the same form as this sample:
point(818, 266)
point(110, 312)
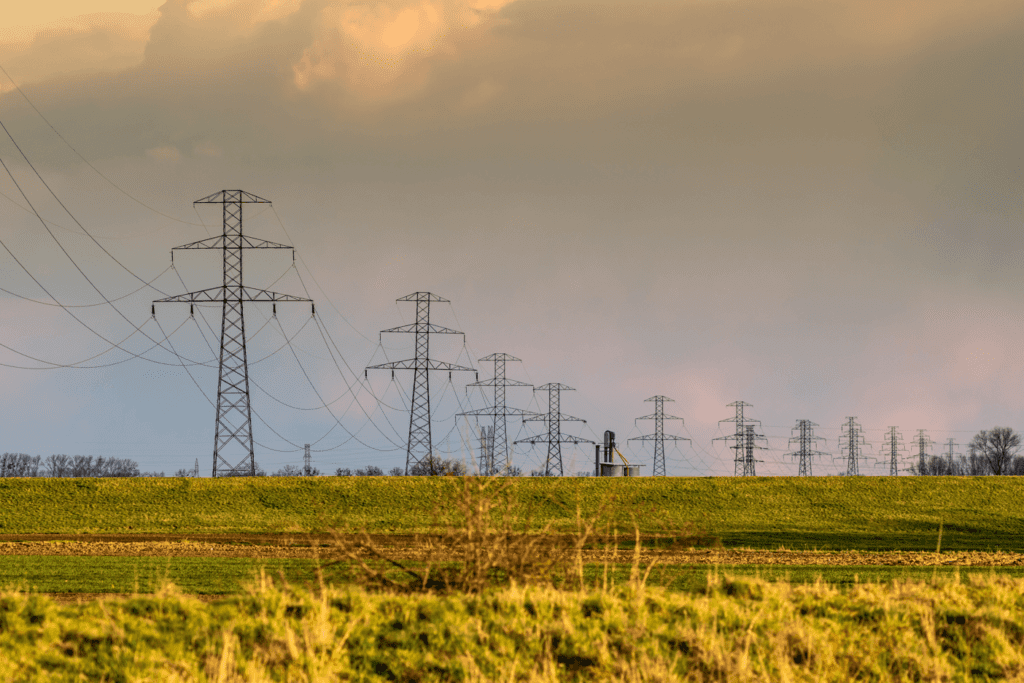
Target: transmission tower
point(854, 440)
point(894, 443)
point(744, 441)
point(950, 453)
point(805, 440)
point(307, 462)
point(554, 438)
point(420, 446)
point(486, 458)
point(658, 437)
point(234, 414)
point(923, 444)
point(501, 460)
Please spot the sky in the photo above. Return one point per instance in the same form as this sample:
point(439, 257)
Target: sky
point(810, 206)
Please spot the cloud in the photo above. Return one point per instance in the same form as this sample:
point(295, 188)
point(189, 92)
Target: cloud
point(164, 153)
point(367, 47)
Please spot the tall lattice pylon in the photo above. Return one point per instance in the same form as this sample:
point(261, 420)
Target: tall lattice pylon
point(805, 441)
point(501, 457)
point(852, 435)
point(554, 437)
point(894, 444)
point(659, 437)
point(923, 444)
point(233, 431)
point(420, 447)
point(951, 454)
point(744, 441)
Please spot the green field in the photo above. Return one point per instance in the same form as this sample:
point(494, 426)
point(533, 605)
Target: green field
point(863, 513)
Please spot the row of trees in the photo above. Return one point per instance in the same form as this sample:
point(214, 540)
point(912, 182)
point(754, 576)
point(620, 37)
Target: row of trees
point(24, 465)
point(993, 451)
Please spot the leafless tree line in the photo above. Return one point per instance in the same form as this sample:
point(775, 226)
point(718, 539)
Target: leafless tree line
point(24, 465)
point(993, 451)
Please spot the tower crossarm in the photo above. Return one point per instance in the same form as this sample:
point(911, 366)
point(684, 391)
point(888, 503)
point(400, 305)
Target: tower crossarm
point(508, 411)
point(655, 416)
point(422, 363)
point(243, 242)
point(655, 437)
point(222, 295)
point(421, 328)
point(561, 417)
point(232, 197)
point(562, 438)
point(499, 382)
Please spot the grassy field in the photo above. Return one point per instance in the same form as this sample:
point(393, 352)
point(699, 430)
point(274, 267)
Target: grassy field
point(216, 576)
point(738, 629)
point(869, 513)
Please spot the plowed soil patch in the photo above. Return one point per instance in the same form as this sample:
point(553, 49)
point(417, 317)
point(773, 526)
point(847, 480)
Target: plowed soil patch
point(158, 549)
point(697, 556)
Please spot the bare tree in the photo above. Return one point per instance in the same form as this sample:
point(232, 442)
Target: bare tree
point(996, 448)
point(433, 466)
point(370, 471)
point(19, 465)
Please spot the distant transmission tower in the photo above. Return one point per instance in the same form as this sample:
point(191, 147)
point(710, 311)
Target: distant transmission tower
point(501, 457)
point(923, 444)
point(854, 440)
point(950, 453)
point(234, 414)
point(744, 441)
point(486, 457)
point(307, 462)
point(554, 438)
point(805, 441)
point(420, 446)
point(659, 437)
point(894, 444)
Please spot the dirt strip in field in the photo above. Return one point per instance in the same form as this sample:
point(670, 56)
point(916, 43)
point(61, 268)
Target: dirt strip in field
point(698, 556)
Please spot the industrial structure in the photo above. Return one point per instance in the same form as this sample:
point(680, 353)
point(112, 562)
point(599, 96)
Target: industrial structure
point(604, 460)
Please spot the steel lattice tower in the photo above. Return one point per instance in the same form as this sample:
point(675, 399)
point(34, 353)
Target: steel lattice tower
point(658, 437)
point(743, 465)
point(923, 443)
point(307, 462)
point(894, 442)
point(554, 438)
point(234, 413)
point(485, 461)
point(501, 460)
point(854, 440)
point(806, 440)
point(950, 445)
point(420, 445)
